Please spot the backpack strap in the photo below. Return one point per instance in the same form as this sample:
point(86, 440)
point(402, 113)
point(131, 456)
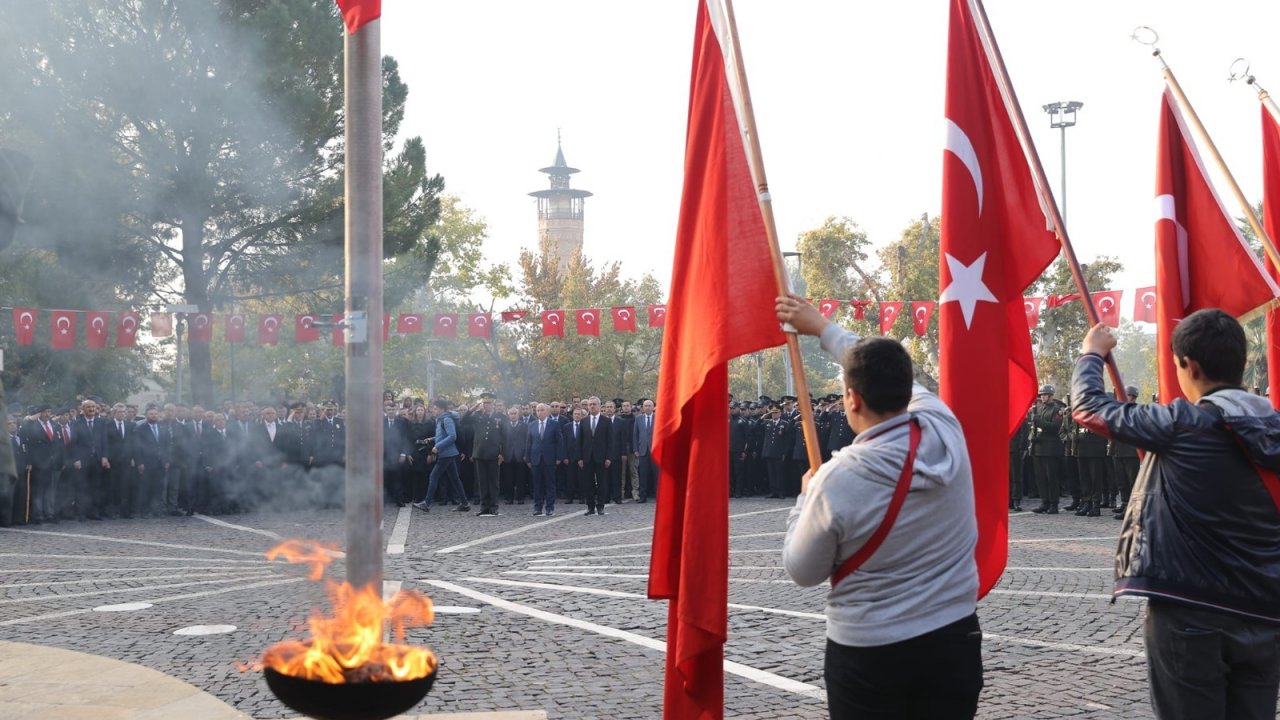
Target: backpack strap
point(868, 549)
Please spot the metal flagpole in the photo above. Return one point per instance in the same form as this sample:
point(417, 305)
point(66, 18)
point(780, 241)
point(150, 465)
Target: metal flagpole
point(755, 158)
point(363, 107)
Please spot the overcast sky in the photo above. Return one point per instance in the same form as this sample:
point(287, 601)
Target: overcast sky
point(849, 99)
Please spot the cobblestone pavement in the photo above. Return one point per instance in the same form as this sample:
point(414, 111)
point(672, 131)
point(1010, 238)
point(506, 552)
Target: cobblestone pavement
point(549, 613)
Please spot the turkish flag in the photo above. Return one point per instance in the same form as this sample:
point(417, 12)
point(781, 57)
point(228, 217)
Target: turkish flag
point(1032, 306)
point(1144, 304)
point(269, 329)
point(446, 325)
point(304, 329)
point(339, 337)
point(127, 328)
point(657, 316)
point(96, 326)
point(1271, 206)
point(161, 325)
point(1202, 260)
point(201, 327)
point(513, 315)
point(889, 312)
point(588, 322)
point(409, 323)
point(233, 332)
point(62, 329)
point(859, 308)
point(479, 325)
point(624, 319)
point(995, 242)
point(355, 13)
point(552, 323)
point(24, 324)
point(828, 308)
point(921, 311)
point(1107, 303)
point(722, 293)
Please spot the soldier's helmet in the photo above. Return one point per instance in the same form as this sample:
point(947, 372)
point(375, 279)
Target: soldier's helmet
point(1047, 390)
point(1131, 391)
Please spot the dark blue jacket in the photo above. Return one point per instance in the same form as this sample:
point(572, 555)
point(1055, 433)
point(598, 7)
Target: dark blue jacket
point(548, 449)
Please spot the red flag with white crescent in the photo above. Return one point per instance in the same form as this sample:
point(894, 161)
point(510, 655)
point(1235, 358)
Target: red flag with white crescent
point(1144, 304)
point(96, 329)
point(889, 312)
point(446, 325)
point(269, 329)
point(233, 331)
point(624, 319)
point(1108, 304)
point(62, 329)
point(859, 308)
point(200, 328)
point(513, 315)
point(1032, 305)
point(1270, 207)
point(588, 322)
point(409, 323)
point(552, 323)
point(127, 324)
point(339, 337)
point(480, 325)
point(657, 315)
point(24, 324)
point(828, 308)
point(921, 312)
point(304, 329)
point(161, 325)
point(355, 13)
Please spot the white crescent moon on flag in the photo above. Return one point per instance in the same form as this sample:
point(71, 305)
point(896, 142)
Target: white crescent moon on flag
point(129, 323)
point(826, 308)
point(202, 320)
point(271, 323)
point(889, 311)
point(554, 318)
point(63, 324)
point(1106, 305)
point(588, 318)
point(99, 324)
point(481, 320)
point(446, 321)
point(920, 313)
point(1146, 295)
point(237, 321)
point(958, 144)
point(25, 319)
point(411, 320)
point(661, 311)
point(1167, 209)
point(307, 320)
point(1028, 306)
point(624, 314)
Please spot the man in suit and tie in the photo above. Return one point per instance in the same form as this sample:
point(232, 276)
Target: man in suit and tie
point(266, 447)
point(85, 463)
point(43, 448)
point(642, 447)
point(514, 473)
point(597, 457)
point(13, 475)
point(152, 451)
point(210, 492)
point(545, 451)
point(117, 461)
point(571, 429)
point(395, 452)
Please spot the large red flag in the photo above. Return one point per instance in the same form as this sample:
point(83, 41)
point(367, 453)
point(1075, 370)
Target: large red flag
point(588, 322)
point(62, 329)
point(127, 328)
point(1202, 260)
point(1108, 304)
point(1271, 206)
point(624, 319)
point(356, 13)
point(994, 244)
point(304, 329)
point(96, 326)
point(233, 332)
point(552, 323)
point(1144, 304)
point(201, 328)
point(721, 302)
point(24, 324)
point(658, 315)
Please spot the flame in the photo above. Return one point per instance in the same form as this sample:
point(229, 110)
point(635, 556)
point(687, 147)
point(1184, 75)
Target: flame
point(347, 646)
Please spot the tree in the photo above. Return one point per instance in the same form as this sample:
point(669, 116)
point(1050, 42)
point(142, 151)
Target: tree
point(208, 135)
point(834, 258)
point(912, 264)
point(1057, 339)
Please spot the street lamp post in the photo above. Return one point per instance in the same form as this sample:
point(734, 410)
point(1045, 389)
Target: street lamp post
point(1062, 115)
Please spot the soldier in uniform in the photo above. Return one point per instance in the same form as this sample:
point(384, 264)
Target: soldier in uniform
point(489, 449)
point(1124, 459)
point(1046, 449)
point(1070, 461)
point(1091, 459)
point(12, 495)
point(775, 449)
point(840, 435)
point(737, 449)
point(329, 450)
point(1017, 448)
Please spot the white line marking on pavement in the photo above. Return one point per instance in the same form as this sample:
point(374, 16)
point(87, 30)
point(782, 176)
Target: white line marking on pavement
point(744, 671)
point(184, 596)
point(620, 594)
point(198, 548)
point(1063, 569)
point(778, 551)
point(1049, 593)
point(122, 579)
point(233, 526)
point(625, 576)
point(761, 512)
point(64, 596)
point(509, 533)
point(624, 545)
point(568, 539)
point(1098, 649)
point(587, 550)
point(400, 533)
point(1065, 539)
point(261, 559)
point(390, 588)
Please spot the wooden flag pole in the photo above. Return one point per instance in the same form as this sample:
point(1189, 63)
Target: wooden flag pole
point(1264, 97)
point(1047, 200)
point(755, 159)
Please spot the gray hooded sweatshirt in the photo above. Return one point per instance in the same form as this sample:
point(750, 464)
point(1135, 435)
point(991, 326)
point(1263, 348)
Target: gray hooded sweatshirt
point(924, 576)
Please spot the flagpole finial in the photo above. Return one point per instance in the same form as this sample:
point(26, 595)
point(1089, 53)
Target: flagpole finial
point(1144, 35)
point(1240, 71)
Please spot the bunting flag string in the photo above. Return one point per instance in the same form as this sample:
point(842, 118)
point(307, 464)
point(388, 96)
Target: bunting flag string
point(64, 325)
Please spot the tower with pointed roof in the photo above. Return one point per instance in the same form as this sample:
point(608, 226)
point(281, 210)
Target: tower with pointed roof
point(560, 211)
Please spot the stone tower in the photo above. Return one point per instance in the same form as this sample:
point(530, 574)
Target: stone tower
point(560, 211)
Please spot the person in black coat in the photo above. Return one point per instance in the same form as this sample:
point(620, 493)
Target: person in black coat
point(13, 511)
point(117, 460)
point(544, 452)
point(152, 453)
point(775, 449)
point(421, 436)
point(620, 442)
point(87, 450)
point(43, 453)
point(572, 432)
point(395, 453)
point(210, 492)
point(642, 446)
point(328, 437)
point(514, 473)
point(488, 448)
point(597, 456)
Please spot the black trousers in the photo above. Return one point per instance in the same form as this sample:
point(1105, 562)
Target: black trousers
point(593, 481)
point(1048, 477)
point(737, 474)
point(936, 676)
point(648, 474)
point(514, 480)
point(1126, 471)
point(1093, 479)
point(774, 467)
point(487, 480)
point(1208, 665)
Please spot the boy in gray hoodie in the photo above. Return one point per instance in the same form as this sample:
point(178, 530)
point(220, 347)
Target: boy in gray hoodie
point(890, 520)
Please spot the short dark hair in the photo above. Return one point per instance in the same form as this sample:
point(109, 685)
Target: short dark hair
point(442, 404)
point(1214, 339)
point(879, 369)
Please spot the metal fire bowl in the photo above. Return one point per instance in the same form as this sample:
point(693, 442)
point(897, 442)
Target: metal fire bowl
point(350, 701)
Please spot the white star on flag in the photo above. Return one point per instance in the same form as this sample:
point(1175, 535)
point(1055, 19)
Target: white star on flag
point(967, 287)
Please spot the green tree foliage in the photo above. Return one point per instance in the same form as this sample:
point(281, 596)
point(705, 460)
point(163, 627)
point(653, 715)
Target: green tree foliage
point(203, 136)
point(1057, 339)
point(911, 264)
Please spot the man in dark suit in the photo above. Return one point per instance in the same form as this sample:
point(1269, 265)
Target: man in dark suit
point(488, 447)
point(642, 446)
point(571, 430)
point(546, 450)
point(210, 493)
point(152, 452)
point(85, 461)
point(14, 507)
point(515, 471)
point(266, 448)
point(620, 441)
point(597, 457)
point(117, 460)
point(328, 437)
point(43, 450)
point(395, 453)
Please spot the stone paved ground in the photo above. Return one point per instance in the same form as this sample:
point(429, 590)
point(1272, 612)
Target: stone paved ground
point(562, 624)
